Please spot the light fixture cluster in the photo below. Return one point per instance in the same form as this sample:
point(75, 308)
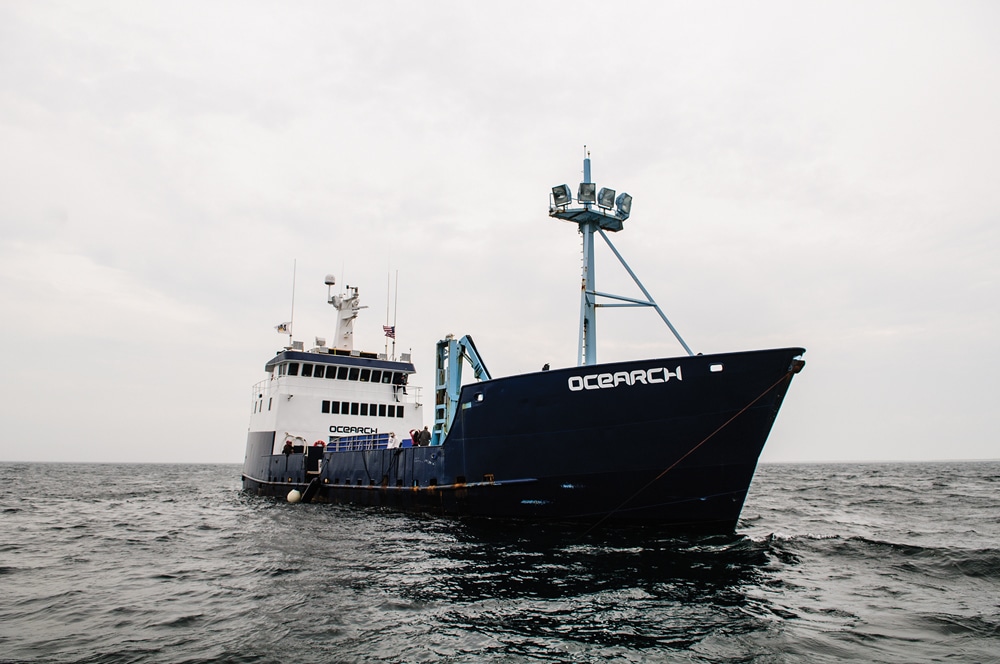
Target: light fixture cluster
point(587, 194)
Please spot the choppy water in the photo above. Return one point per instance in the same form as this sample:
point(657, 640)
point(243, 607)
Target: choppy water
point(136, 563)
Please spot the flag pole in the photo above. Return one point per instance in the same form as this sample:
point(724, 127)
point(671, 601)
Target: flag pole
point(388, 286)
point(395, 306)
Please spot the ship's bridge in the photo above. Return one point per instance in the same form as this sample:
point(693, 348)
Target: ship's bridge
point(345, 362)
point(345, 375)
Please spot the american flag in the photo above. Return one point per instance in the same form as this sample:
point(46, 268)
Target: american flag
point(390, 331)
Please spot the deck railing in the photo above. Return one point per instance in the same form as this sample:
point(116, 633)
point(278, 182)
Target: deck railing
point(360, 442)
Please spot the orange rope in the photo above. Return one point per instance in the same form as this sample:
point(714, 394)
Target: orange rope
point(686, 454)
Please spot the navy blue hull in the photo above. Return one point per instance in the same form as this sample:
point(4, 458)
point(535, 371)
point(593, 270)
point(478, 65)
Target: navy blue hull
point(671, 441)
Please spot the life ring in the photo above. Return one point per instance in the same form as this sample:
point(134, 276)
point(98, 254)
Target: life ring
point(319, 443)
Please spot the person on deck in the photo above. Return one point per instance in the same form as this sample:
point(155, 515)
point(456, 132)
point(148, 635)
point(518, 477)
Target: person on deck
point(425, 437)
point(398, 384)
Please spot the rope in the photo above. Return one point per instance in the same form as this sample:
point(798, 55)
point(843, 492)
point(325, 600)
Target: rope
point(686, 454)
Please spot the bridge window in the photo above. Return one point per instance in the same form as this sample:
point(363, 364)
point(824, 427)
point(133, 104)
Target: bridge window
point(353, 373)
point(293, 369)
point(318, 371)
point(342, 373)
point(331, 372)
point(366, 374)
point(386, 377)
point(307, 370)
point(376, 376)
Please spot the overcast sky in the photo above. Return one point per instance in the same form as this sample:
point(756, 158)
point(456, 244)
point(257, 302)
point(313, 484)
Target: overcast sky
point(814, 174)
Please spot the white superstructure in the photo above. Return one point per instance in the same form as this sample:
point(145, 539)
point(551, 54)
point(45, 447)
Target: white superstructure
point(336, 396)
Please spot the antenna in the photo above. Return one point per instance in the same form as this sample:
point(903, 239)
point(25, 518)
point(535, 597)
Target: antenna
point(395, 308)
point(291, 319)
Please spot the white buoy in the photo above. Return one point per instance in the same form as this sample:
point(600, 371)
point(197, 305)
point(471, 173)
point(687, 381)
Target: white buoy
point(294, 496)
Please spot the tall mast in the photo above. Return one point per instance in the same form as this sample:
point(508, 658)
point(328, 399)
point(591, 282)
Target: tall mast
point(587, 347)
point(597, 212)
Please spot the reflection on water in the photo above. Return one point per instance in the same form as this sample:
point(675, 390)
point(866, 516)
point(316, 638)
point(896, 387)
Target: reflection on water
point(535, 590)
point(629, 589)
point(548, 562)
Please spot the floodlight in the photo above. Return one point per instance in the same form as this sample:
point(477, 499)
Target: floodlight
point(562, 195)
point(587, 193)
point(624, 204)
point(606, 198)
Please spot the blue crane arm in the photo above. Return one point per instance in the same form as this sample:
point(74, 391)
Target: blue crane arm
point(479, 369)
point(448, 380)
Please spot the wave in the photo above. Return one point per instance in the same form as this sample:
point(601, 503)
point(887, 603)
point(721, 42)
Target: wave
point(936, 561)
point(954, 625)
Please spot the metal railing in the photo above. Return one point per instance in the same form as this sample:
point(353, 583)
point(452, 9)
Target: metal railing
point(361, 442)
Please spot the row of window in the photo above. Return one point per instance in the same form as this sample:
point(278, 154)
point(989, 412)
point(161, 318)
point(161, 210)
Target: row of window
point(342, 373)
point(363, 409)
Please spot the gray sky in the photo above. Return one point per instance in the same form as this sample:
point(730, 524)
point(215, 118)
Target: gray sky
point(814, 174)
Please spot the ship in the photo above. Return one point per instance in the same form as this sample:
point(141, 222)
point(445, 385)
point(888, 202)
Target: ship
point(671, 441)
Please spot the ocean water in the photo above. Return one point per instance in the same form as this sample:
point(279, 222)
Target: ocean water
point(172, 563)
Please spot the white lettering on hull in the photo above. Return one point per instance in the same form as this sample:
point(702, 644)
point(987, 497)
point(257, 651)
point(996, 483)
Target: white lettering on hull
point(604, 381)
